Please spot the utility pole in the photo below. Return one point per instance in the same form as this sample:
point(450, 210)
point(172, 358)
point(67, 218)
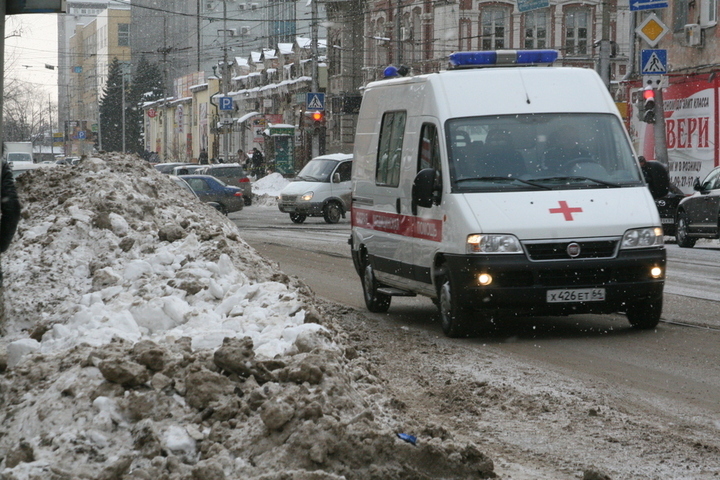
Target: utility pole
point(52, 138)
point(314, 82)
point(225, 81)
point(605, 44)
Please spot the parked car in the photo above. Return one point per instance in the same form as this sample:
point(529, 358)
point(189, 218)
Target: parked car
point(667, 208)
point(185, 186)
point(321, 189)
point(698, 215)
point(211, 189)
point(168, 167)
point(232, 174)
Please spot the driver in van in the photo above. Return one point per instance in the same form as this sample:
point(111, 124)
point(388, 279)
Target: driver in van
point(563, 147)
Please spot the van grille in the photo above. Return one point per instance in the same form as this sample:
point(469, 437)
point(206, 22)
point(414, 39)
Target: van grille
point(558, 250)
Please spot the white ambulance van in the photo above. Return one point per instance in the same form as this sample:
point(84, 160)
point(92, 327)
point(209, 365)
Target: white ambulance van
point(503, 190)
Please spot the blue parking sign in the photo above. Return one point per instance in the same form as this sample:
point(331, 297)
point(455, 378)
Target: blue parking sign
point(226, 103)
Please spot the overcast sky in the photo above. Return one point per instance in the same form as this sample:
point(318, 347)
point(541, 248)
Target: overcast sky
point(27, 54)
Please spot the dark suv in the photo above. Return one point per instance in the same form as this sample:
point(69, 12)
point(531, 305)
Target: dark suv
point(232, 174)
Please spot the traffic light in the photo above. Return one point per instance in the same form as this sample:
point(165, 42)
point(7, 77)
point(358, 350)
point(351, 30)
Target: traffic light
point(314, 120)
point(318, 118)
point(648, 112)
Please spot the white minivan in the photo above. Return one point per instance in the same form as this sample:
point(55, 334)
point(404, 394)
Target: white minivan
point(503, 190)
point(321, 189)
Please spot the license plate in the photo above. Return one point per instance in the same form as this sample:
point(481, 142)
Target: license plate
point(576, 295)
point(667, 220)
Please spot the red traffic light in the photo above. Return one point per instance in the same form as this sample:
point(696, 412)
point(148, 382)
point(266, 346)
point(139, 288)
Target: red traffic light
point(649, 93)
point(317, 116)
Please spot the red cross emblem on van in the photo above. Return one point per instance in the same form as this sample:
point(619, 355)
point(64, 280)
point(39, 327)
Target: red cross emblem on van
point(566, 210)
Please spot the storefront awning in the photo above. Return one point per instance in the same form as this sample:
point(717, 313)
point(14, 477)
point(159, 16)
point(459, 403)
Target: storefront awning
point(246, 117)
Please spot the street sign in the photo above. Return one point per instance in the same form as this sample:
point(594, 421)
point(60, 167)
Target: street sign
point(315, 101)
point(655, 81)
point(81, 135)
point(652, 29)
point(528, 5)
point(654, 62)
point(636, 5)
point(151, 112)
point(226, 103)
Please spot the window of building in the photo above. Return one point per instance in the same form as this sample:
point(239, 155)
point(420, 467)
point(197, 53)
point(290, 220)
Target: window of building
point(494, 28)
point(708, 12)
point(536, 28)
point(465, 34)
point(392, 132)
point(123, 35)
point(577, 21)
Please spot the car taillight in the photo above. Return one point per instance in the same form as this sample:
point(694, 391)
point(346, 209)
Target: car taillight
point(244, 180)
point(238, 194)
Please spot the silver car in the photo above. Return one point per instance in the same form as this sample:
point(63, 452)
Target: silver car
point(321, 189)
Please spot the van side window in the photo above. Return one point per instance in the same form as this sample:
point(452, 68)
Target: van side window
point(429, 148)
point(345, 171)
point(392, 132)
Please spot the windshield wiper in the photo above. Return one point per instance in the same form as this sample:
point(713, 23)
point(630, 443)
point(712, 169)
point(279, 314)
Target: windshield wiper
point(504, 179)
point(582, 179)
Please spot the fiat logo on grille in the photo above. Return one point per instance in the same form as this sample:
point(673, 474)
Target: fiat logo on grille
point(573, 249)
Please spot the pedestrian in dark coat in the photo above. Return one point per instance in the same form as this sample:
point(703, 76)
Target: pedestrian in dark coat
point(10, 216)
point(257, 162)
point(656, 176)
point(203, 158)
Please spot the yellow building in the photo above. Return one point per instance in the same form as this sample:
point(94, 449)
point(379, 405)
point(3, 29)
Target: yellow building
point(92, 48)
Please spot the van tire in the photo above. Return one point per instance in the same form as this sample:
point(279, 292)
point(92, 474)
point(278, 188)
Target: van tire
point(297, 217)
point(332, 212)
point(454, 319)
point(375, 301)
point(645, 314)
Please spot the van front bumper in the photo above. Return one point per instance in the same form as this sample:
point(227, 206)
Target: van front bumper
point(312, 209)
point(521, 286)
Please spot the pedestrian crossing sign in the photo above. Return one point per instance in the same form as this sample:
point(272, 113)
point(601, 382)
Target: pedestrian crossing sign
point(654, 62)
point(315, 101)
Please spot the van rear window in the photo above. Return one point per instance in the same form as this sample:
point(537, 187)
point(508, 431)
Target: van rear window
point(392, 132)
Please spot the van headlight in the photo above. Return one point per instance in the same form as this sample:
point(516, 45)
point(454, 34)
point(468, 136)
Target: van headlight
point(307, 196)
point(643, 237)
point(492, 244)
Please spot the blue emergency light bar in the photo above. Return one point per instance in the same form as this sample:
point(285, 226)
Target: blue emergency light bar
point(490, 58)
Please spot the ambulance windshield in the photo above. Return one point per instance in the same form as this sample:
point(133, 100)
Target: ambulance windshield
point(539, 151)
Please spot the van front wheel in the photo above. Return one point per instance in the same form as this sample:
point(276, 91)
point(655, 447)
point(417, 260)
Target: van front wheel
point(644, 315)
point(375, 301)
point(297, 217)
point(454, 319)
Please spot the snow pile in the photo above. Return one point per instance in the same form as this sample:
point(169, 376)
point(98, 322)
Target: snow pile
point(268, 188)
point(145, 339)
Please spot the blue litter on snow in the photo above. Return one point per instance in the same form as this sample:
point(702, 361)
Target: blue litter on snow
point(408, 438)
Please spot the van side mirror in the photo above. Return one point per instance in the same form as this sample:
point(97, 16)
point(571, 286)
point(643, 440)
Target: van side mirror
point(336, 177)
point(426, 189)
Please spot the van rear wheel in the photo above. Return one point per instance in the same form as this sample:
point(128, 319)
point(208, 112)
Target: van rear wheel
point(454, 319)
point(297, 217)
point(375, 301)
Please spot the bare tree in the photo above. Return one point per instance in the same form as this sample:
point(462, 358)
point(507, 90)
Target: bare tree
point(26, 115)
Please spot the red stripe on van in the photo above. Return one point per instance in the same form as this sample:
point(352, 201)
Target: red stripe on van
point(405, 225)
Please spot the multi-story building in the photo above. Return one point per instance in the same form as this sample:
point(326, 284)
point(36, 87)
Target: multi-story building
point(80, 12)
point(92, 48)
point(686, 131)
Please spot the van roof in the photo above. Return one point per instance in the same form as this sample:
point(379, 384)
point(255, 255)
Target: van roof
point(499, 91)
point(335, 156)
